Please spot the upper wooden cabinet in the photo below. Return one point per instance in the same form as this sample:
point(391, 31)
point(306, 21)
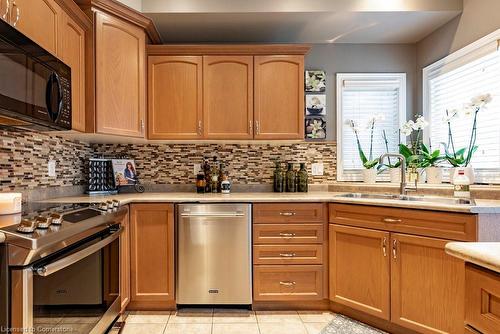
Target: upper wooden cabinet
point(39, 20)
point(279, 97)
point(248, 91)
point(228, 97)
point(360, 269)
point(72, 52)
point(152, 256)
point(120, 76)
point(175, 97)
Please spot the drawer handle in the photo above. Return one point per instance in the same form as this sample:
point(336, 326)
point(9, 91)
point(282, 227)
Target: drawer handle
point(287, 214)
point(287, 283)
point(287, 235)
point(287, 254)
point(391, 220)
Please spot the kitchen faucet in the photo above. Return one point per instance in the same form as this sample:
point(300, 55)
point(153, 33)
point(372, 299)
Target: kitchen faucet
point(403, 190)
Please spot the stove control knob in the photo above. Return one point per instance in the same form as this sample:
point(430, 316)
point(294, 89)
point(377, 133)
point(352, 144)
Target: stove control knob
point(116, 203)
point(26, 226)
point(43, 222)
point(56, 218)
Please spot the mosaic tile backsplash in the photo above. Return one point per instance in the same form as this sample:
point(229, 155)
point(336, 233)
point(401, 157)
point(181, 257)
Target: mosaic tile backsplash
point(246, 163)
point(24, 156)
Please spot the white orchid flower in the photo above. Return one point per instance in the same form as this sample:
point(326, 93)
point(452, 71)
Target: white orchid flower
point(407, 128)
point(374, 119)
point(450, 115)
point(420, 124)
point(481, 100)
point(352, 124)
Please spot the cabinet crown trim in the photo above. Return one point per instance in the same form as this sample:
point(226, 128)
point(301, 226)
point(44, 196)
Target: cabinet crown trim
point(228, 49)
point(126, 13)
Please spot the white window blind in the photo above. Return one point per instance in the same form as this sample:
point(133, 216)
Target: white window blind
point(360, 97)
point(453, 82)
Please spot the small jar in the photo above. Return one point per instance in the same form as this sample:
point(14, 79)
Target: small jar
point(200, 183)
point(225, 185)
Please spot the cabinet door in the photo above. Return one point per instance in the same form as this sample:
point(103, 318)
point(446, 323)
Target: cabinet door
point(175, 97)
point(152, 255)
point(120, 77)
point(125, 264)
point(72, 52)
point(360, 269)
point(279, 97)
point(427, 285)
point(39, 20)
point(228, 97)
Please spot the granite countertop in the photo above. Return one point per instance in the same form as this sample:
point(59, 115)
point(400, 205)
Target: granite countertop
point(484, 254)
point(482, 206)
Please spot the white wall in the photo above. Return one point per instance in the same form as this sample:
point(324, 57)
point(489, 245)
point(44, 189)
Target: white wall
point(479, 18)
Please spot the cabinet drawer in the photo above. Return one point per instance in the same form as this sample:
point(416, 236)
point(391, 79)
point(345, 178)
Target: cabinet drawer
point(282, 283)
point(288, 254)
point(446, 225)
point(272, 213)
point(288, 233)
point(482, 310)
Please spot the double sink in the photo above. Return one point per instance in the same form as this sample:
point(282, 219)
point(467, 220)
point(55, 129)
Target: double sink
point(407, 198)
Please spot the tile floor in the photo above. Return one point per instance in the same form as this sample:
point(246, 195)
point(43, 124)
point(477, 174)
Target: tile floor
point(221, 321)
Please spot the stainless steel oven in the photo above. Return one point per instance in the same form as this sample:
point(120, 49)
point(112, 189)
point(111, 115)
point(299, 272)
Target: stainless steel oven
point(74, 291)
point(65, 277)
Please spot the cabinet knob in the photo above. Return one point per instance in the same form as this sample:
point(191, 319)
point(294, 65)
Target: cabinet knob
point(394, 248)
point(257, 127)
point(288, 254)
point(288, 283)
point(250, 127)
point(391, 220)
point(384, 246)
point(18, 13)
point(287, 235)
point(6, 13)
point(200, 128)
point(287, 214)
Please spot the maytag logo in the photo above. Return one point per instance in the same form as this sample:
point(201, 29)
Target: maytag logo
point(213, 291)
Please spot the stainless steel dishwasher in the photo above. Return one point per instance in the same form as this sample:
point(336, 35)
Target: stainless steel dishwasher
point(214, 254)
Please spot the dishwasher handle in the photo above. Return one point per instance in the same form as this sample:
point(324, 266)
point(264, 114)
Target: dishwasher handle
point(212, 215)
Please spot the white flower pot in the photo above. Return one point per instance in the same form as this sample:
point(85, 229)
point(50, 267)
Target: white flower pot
point(468, 171)
point(369, 175)
point(434, 175)
point(395, 175)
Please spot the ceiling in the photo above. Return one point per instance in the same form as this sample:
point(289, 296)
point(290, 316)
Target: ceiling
point(297, 21)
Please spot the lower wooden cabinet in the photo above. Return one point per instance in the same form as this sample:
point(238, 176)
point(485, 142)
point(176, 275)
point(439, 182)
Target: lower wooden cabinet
point(391, 263)
point(152, 256)
point(125, 263)
point(427, 285)
point(288, 283)
point(360, 269)
point(482, 310)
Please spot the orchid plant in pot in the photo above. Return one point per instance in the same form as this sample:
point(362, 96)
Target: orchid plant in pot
point(460, 159)
point(430, 160)
point(393, 168)
point(369, 163)
point(413, 148)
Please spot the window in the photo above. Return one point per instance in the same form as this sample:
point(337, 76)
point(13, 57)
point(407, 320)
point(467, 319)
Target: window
point(360, 97)
point(452, 82)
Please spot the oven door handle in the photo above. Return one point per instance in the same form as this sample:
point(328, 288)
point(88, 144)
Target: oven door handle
point(75, 257)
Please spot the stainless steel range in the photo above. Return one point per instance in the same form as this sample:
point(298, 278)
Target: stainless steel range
point(63, 265)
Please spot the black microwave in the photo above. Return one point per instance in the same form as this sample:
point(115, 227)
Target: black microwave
point(35, 86)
